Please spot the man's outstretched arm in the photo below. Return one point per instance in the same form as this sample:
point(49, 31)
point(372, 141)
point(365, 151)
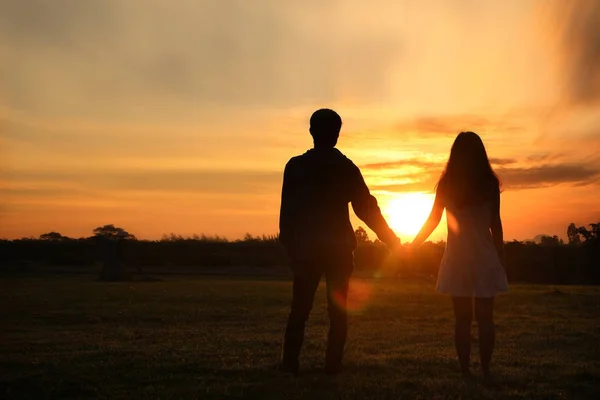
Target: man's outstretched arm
point(366, 208)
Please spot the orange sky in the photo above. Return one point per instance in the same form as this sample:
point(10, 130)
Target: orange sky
point(163, 116)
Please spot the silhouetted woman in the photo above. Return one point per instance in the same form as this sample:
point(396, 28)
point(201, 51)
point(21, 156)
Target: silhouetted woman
point(472, 269)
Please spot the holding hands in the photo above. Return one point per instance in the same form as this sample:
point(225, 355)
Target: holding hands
point(404, 254)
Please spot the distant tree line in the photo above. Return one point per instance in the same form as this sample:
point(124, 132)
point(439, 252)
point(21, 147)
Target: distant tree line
point(548, 259)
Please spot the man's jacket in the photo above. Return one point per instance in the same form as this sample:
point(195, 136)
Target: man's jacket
point(314, 217)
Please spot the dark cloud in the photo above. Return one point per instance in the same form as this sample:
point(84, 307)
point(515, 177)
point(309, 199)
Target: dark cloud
point(544, 157)
point(548, 175)
point(268, 182)
point(502, 161)
point(513, 177)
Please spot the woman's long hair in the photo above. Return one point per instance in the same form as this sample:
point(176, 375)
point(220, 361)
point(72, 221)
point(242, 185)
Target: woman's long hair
point(468, 177)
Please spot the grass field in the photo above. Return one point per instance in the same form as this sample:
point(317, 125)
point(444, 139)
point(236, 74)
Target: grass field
point(73, 338)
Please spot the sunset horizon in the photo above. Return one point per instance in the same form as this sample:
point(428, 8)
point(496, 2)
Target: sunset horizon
point(276, 199)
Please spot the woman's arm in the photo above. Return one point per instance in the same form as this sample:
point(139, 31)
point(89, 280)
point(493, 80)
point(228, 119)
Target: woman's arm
point(432, 221)
point(496, 228)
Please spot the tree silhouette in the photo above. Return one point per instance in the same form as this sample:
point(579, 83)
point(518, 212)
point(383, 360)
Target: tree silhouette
point(573, 234)
point(53, 236)
point(112, 241)
point(591, 235)
point(112, 232)
point(591, 248)
point(549, 241)
point(361, 235)
point(547, 260)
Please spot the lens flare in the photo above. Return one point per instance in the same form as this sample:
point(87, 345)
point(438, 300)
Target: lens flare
point(359, 294)
point(453, 225)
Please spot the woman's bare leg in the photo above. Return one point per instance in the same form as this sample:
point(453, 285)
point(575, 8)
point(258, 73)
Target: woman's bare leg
point(463, 316)
point(484, 313)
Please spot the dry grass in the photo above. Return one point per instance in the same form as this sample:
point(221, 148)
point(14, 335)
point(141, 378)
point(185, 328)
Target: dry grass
point(72, 338)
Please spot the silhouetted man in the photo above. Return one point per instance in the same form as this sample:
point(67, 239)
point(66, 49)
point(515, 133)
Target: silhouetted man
point(316, 232)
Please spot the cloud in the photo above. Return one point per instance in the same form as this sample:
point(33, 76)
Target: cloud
point(417, 175)
point(400, 175)
point(502, 161)
point(116, 59)
point(427, 164)
point(544, 157)
point(423, 164)
point(64, 145)
point(549, 175)
point(578, 28)
point(451, 125)
point(243, 182)
point(403, 175)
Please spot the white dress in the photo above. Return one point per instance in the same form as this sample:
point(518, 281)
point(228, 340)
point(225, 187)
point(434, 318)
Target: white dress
point(471, 266)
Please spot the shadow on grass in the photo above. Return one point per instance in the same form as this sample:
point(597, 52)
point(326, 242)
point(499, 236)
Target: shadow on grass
point(356, 381)
point(390, 378)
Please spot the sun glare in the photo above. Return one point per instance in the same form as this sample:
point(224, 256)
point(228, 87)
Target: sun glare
point(407, 212)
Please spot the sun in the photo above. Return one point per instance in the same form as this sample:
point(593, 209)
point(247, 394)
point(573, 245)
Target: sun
point(406, 212)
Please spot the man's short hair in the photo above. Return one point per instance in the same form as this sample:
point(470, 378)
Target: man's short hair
point(325, 122)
